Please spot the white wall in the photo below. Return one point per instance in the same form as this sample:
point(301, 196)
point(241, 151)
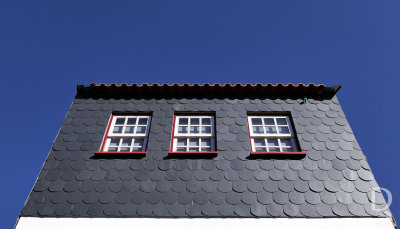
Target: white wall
point(196, 223)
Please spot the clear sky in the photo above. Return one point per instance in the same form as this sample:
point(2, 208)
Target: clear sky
point(48, 47)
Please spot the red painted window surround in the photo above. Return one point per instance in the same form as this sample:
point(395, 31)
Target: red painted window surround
point(103, 144)
point(270, 153)
point(278, 153)
point(171, 152)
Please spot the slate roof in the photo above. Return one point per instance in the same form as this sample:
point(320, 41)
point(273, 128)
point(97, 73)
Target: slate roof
point(332, 180)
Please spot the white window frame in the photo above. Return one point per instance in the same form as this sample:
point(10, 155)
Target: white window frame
point(189, 136)
point(289, 136)
point(132, 136)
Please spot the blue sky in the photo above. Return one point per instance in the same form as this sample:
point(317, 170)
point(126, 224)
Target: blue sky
point(48, 47)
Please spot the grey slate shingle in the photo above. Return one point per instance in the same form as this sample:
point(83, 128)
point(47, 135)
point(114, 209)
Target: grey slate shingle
point(333, 179)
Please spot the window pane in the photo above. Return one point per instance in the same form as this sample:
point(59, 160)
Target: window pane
point(183, 121)
point(142, 121)
point(206, 121)
point(193, 142)
point(288, 149)
point(141, 130)
point(181, 149)
point(256, 121)
point(194, 129)
point(136, 149)
point(259, 142)
point(112, 149)
point(206, 129)
point(131, 121)
point(283, 130)
point(281, 121)
point(192, 149)
point(181, 142)
point(126, 142)
point(286, 142)
point(274, 149)
point(129, 129)
point(194, 121)
point(269, 121)
point(270, 130)
point(261, 149)
point(120, 121)
point(205, 142)
point(114, 142)
point(138, 142)
point(258, 130)
point(124, 149)
point(273, 142)
point(117, 130)
point(182, 129)
point(205, 149)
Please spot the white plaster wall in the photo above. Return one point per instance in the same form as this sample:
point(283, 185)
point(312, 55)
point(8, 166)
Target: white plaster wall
point(195, 223)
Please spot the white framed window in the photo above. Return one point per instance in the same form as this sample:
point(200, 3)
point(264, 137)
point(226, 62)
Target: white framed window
point(271, 134)
point(127, 133)
point(193, 133)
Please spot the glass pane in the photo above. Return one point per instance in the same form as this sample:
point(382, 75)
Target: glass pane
point(205, 149)
point(124, 149)
point(274, 149)
point(288, 149)
point(182, 129)
point(136, 149)
point(112, 149)
point(273, 142)
point(120, 121)
point(117, 130)
point(286, 142)
point(181, 149)
point(141, 130)
point(193, 142)
point(261, 149)
point(283, 130)
point(281, 121)
point(114, 142)
point(183, 121)
point(259, 142)
point(256, 121)
point(192, 149)
point(206, 121)
point(138, 142)
point(142, 121)
point(126, 142)
point(194, 129)
point(269, 121)
point(205, 142)
point(258, 130)
point(194, 121)
point(131, 121)
point(206, 129)
point(182, 142)
point(270, 130)
point(129, 129)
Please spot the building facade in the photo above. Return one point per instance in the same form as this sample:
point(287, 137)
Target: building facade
point(177, 156)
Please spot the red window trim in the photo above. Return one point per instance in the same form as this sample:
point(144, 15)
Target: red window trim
point(171, 152)
point(273, 153)
point(278, 153)
point(102, 152)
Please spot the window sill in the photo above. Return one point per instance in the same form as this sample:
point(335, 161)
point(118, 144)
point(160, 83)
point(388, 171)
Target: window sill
point(194, 153)
point(278, 153)
point(119, 153)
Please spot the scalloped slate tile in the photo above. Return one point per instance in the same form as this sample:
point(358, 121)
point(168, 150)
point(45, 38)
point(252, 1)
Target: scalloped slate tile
point(334, 178)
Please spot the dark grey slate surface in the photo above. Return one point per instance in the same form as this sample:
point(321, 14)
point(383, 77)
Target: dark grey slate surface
point(333, 179)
